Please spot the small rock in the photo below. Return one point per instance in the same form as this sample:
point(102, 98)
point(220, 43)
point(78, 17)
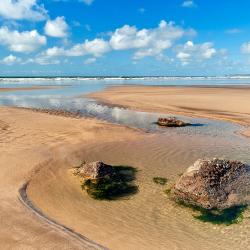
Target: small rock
point(93, 170)
point(171, 122)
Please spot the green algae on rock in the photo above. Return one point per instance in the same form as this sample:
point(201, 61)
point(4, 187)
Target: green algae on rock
point(105, 182)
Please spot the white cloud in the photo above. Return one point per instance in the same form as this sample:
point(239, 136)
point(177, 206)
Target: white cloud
point(96, 48)
point(88, 2)
point(146, 42)
point(183, 56)
point(26, 41)
point(245, 48)
point(22, 9)
point(188, 4)
point(90, 60)
point(9, 60)
point(54, 52)
point(194, 52)
point(56, 28)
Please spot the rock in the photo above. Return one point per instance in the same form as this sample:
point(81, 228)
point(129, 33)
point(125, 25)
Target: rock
point(214, 184)
point(171, 122)
point(93, 170)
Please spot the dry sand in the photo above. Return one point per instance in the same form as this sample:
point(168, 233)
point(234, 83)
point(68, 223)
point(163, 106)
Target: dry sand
point(228, 103)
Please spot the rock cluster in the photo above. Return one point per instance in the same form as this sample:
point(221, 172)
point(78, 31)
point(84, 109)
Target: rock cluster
point(171, 122)
point(214, 184)
point(93, 170)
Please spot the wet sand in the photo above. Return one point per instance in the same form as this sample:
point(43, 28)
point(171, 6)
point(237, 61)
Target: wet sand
point(41, 148)
point(28, 142)
point(8, 89)
point(227, 103)
point(148, 219)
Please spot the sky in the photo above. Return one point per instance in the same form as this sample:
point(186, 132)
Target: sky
point(124, 37)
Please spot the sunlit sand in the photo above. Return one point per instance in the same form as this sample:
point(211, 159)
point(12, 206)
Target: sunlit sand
point(40, 149)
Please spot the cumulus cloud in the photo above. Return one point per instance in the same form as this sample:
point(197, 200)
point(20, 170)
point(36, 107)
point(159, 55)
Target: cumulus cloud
point(56, 28)
point(188, 4)
point(9, 60)
point(22, 9)
point(245, 48)
point(194, 52)
point(146, 42)
point(26, 41)
point(96, 48)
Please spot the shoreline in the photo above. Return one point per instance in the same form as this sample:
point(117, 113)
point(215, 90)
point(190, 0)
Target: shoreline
point(33, 135)
point(34, 87)
point(24, 199)
point(29, 140)
point(117, 96)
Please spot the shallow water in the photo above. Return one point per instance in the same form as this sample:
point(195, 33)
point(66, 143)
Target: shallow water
point(67, 98)
point(147, 220)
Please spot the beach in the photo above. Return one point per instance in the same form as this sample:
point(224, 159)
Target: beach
point(41, 148)
point(29, 141)
point(11, 89)
point(227, 103)
point(124, 125)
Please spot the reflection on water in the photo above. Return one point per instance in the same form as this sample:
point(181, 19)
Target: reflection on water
point(67, 98)
point(143, 120)
point(148, 219)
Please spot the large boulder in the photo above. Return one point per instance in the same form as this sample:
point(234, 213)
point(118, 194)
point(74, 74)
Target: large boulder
point(93, 170)
point(214, 184)
point(171, 122)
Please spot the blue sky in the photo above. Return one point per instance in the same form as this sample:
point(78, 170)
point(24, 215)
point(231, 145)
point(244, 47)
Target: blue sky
point(124, 37)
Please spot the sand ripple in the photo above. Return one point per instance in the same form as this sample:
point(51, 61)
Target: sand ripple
point(148, 220)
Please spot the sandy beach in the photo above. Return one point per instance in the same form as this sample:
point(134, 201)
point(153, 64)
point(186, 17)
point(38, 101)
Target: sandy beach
point(227, 103)
point(41, 149)
point(124, 125)
point(28, 141)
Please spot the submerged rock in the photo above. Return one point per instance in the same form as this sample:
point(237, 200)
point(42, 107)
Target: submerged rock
point(93, 170)
point(171, 122)
point(214, 184)
point(105, 182)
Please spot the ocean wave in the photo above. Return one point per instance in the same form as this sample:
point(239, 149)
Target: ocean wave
point(147, 80)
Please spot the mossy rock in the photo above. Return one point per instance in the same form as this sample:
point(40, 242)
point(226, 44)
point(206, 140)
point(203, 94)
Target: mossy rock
point(117, 185)
point(227, 217)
